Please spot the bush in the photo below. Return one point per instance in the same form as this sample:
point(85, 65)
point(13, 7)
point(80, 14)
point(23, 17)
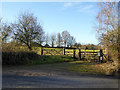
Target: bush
point(18, 58)
point(13, 54)
point(19, 55)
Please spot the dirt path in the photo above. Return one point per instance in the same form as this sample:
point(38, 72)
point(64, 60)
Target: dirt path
point(56, 69)
point(35, 70)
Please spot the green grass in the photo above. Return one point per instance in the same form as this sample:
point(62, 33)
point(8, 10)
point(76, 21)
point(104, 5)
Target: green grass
point(75, 67)
point(68, 63)
point(84, 67)
point(62, 63)
point(47, 59)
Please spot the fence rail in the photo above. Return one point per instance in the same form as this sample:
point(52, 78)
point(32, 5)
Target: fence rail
point(76, 53)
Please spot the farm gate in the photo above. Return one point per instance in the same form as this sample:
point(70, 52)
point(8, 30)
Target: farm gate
point(81, 54)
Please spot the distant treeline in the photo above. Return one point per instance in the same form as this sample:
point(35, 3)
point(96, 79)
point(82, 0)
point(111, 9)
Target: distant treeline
point(28, 31)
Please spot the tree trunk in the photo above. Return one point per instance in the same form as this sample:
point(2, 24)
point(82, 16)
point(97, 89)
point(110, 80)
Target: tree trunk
point(65, 44)
point(59, 44)
point(29, 47)
point(52, 44)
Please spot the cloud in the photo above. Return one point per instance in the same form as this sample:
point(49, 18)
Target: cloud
point(87, 9)
point(69, 4)
point(79, 7)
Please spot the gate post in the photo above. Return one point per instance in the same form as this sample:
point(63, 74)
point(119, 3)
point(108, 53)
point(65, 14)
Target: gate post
point(63, 51)
point(41, 50)
point(74, 53)
point(84, 53)
point(100, 56)
point(79, 54)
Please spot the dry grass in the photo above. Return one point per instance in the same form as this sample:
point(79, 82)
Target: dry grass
point(107, 68)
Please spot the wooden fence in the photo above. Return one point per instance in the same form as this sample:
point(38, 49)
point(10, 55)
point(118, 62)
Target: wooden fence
point(75, 53)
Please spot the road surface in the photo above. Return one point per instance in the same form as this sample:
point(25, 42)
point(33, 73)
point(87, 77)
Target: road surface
point(52, 76)
point(15, 81)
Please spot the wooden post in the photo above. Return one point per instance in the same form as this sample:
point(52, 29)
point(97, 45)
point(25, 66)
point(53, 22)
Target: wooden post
point(41, 50)
point(93, 55)
point(63, 51)
point(74, 53)
point(101, 56)
point(85, 54)
point(79, 54)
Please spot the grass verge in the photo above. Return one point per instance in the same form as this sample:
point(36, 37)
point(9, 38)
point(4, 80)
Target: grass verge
point(84, 67)
point(47, 59)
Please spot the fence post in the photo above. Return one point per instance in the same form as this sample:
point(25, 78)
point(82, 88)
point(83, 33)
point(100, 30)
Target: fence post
point(79, 54)
point(74, 53)
point(101, 51)
point(41, 50)
point(63, 51)
point(93, 54)
point(101, 56)
point(84, 54)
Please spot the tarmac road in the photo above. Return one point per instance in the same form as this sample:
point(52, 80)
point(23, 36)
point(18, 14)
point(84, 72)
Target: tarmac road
point(16, 81)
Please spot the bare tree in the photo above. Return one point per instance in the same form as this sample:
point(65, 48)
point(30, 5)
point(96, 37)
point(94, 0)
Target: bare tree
point(6, 32)
point(27, 29)
point(119, 33)
point(41, 37)
point(53, 40)
point(71, 41)
point(59, 39)
point(65, 37)
point(47, 39)
point(108, 26)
